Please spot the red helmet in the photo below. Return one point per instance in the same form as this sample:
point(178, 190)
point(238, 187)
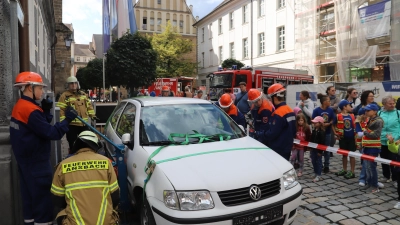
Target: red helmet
point(165, 88)
point(225, 101)
point(254, 95)
point(276, 89)
point(26, 78)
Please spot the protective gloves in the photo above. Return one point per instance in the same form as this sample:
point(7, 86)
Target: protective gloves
point(360, 134)
point(70, 113)
point(47, 104)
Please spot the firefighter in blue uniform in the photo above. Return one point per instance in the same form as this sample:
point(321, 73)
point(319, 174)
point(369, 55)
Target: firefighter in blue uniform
point(282, 129)
point(30, 135)
point(261, 110)
point(226, 103)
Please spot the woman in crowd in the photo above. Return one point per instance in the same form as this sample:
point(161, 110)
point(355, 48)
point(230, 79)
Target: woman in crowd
point(306, 105)
point(367, 97)
point(352, 97)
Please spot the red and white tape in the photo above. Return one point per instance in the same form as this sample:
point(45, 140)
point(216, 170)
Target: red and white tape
point(346, 153)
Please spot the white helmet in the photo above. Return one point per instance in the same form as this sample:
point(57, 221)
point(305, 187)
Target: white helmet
point(88, 138)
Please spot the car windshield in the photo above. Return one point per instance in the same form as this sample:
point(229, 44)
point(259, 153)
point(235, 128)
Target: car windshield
point(157, 123)
point(221, 80)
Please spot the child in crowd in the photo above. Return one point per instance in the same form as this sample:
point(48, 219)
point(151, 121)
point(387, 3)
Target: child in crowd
point(344, 132)
point(371, 143)
point(318, 137)
point(303, 133)
point(394, 148)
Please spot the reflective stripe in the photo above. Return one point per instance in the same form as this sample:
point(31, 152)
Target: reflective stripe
point(29, 221)
point(48, 223)
point(88, 184)
point(114, 186)
point(74, 209)
point(57, 190)
point(61, 105)
point(291, 118)
point(103, 208)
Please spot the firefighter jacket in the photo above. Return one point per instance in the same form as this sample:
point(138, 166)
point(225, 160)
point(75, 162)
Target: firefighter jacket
point(342, 124)
point(360, 127)
point(87, 182)
point(237, 116)
point(80, 102)
point(282, 129)
point(371, 141)
point(261, 117)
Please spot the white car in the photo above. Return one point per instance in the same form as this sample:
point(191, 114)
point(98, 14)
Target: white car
point(208, 172)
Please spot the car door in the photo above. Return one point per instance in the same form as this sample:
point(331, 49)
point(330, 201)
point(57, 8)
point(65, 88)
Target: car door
point(110, 129)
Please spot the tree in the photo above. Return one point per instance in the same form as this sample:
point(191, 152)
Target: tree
point(92, 75)
point(172, 52)
point(228, 63)
point(131, 62)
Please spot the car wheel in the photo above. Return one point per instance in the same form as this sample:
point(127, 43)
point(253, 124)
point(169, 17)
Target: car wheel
point(146, 215)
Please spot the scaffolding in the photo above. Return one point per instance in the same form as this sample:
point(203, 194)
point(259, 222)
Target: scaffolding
point(334, 43)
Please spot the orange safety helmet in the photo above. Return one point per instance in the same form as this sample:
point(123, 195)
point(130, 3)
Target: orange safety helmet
point(276, 89)
point(31, 78)
point(225, 101)
point(165, 88)
point(254, 95)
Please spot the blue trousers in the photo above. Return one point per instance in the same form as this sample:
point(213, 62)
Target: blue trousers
point(327, 155)
point(35, 184)
point(316, 161)
point(371, 172)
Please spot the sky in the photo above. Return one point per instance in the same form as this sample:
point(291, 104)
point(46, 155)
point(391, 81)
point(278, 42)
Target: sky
point(85, 15)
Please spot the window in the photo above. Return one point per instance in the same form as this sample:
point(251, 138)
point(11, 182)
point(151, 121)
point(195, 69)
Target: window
point(126, 123)
point(202, 34)
point(152, 21)
point(78, 59)
point(180, 23)
point(158, 21)
point(174, 23)
point(221, 54)
point(231, 21)
point(210, 30)
point(84, 59)
point(211, 57)
point(245, 48)
point(240, 78)
point(220, 26)
point(202, 57)
point(203, 82)
point(232, 50)
point(261, 38)
point(281, 38)
point(245, 13)
point(281, 3)
point(158, 1)
point(115, 117)
point(261, 9)
point(144, 26)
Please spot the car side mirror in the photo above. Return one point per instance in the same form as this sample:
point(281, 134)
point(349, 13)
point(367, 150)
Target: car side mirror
point(126, 140)
point(241, 127)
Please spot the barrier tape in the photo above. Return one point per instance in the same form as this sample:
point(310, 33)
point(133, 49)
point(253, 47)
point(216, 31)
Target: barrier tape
point(346, 152)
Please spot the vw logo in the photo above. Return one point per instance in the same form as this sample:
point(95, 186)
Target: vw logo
point(255, 192)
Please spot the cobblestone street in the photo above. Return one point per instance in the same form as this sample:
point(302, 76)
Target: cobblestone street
point(336, 200)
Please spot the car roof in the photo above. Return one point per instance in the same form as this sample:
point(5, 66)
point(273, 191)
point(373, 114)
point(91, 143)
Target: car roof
point(150, 101)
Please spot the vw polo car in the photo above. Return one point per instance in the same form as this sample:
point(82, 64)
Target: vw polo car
point(189, 163)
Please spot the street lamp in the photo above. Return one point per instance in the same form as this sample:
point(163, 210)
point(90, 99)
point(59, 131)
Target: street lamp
point(68, 40)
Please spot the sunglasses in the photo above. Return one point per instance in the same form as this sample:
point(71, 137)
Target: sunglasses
point(355, 92)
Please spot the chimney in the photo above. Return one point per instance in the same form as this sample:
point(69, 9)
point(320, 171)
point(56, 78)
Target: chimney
point(191, 8)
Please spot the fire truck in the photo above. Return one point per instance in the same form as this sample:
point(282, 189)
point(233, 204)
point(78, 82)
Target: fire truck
point(261, 79)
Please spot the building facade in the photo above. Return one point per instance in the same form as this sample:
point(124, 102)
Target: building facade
point(152, 16)
point(81, 57)
point(257, 33)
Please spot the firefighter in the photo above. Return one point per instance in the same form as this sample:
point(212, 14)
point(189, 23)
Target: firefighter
point(85, 185)
point(282, 130)
point(165, 92)
point(226, 103)
point(78, 100)
point(261, 110)
point(30, 135)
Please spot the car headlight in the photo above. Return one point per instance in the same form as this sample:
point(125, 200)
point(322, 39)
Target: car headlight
point(290, 179)
point(188, 200)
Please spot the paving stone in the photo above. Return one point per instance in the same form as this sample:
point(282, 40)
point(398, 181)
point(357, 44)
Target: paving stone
point(354, 199)
point(377, 217)
point(317, 189)
point(348, 214)
point(335, 186)
point(334, 202)
point(367, 220)
point(359, 212)
point(311, 206)
point(308, 190)
point(369, 210)
point(383, 223)
point(395, 211)
point(344, 201)
point(344, 189)
point(327, 193)
point(385, 197)
point(335, 217)
point(338, 208)
point(393, 222)
point(377, 200)
point(301, 219)
point(322, 211)
point(362, 197)
point(318, 194)
point(350, 222)
point(320, 220)
point(336, 191)
point(379, 208)
point(323, 204)
point(314, 200)
point(388, 214)
point(307, 213)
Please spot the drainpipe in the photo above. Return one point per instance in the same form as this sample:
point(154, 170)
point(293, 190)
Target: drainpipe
point(251, 33)
point(53, 62)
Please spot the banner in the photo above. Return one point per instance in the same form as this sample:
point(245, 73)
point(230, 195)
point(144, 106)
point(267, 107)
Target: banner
point(113, 20)
point(375, 19)
point(123, 17)
point(132, 19)
point(106, 26)
point(172, 83)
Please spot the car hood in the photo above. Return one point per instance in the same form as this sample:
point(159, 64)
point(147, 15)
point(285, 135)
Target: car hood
point(227, 169)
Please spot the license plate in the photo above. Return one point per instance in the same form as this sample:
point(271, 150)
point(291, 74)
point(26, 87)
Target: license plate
point(261, 217)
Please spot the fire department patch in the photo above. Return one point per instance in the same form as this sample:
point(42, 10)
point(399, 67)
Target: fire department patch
point(265, 119)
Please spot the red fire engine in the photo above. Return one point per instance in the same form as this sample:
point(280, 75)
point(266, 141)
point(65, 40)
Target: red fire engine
point(261, 79)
